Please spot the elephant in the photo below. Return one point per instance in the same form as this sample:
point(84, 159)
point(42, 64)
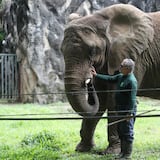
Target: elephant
point(103, 39)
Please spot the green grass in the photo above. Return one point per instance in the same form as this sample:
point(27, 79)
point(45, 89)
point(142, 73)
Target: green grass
point(56, 140)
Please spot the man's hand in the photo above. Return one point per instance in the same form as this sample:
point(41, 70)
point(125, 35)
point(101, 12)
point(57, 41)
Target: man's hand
point(128, 118)
point(93, 71)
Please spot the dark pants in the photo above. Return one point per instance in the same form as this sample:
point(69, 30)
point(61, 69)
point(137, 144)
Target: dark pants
point(126, 130)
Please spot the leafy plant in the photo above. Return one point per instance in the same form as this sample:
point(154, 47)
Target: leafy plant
point(44, 140)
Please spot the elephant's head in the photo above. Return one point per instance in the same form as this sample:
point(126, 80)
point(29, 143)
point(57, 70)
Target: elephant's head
point(105, 37)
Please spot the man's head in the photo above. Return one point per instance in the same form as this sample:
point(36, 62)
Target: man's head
point(127, 66)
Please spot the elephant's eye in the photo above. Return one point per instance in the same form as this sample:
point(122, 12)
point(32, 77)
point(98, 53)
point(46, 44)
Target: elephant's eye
point(87, 32)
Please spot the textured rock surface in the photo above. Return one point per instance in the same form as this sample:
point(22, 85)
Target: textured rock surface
point(34, 31)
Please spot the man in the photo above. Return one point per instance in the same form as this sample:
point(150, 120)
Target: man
point(125, 98)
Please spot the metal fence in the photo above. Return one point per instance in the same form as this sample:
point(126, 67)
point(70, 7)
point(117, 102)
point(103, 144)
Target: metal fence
point(9, 77)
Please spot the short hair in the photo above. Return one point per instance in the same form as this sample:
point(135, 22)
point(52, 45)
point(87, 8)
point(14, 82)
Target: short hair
point(129, 63)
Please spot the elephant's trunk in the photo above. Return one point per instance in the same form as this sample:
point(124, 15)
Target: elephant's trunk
point(81, 94)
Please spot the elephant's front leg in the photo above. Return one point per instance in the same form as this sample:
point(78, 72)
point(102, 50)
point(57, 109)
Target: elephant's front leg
point(86, 133)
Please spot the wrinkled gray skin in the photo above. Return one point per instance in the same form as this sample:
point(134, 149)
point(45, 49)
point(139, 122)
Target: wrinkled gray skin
point(103, 40)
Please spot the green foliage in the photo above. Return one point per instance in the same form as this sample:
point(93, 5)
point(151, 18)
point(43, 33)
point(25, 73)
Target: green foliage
point(35, 153)
point(2, 35)
point(41, 146)
point(44, 140)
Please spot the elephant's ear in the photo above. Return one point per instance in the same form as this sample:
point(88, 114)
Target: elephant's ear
point(130, 30)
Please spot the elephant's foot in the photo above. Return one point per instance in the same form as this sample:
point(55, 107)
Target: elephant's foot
point(83, 147)
point(114, 149)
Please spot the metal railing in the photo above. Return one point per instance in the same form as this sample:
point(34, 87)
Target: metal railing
point(9, 76)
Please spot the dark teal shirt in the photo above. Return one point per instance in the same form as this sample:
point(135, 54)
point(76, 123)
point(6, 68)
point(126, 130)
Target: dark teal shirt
point(125, 95)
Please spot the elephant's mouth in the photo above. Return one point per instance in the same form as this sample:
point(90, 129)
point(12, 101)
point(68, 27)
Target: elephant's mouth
point(81, 93)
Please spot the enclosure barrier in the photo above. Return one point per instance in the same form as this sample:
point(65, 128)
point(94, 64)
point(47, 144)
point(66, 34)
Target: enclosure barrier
point(142, 114)
point(9, 76)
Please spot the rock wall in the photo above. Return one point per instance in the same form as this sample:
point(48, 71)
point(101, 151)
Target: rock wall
point(34, 30)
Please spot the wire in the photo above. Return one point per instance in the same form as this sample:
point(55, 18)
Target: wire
point(67, 113)
point(8, 117)
point(80, 92)
point(78, 118)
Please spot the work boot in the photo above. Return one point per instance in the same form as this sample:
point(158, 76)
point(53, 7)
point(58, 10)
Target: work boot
point(127, 150)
